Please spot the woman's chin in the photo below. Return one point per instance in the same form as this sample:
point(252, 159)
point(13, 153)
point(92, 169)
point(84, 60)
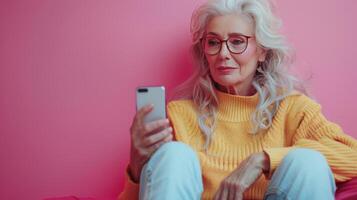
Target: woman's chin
point(228, 82)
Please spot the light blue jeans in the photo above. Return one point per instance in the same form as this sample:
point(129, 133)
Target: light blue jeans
point(173, 172)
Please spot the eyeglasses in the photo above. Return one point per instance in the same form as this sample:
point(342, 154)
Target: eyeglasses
point(236, 44)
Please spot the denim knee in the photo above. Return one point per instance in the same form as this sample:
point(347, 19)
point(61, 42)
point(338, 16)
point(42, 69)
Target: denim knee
point(174, 161)
point(172, 172)
point(175, 154)
point(310, 164)
point(176, 149)
point(302, 174)
point(306, 159)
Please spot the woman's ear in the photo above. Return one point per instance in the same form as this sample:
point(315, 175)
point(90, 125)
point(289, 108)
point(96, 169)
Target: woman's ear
point(262, 54)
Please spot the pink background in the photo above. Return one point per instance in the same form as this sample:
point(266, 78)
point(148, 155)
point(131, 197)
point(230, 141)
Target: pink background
point(68, 70)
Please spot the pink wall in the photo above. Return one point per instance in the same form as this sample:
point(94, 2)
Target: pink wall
point(68, 70)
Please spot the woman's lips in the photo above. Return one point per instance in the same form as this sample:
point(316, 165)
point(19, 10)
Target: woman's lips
point(225, 69)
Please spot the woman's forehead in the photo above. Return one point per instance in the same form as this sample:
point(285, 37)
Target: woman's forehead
point(226, 25)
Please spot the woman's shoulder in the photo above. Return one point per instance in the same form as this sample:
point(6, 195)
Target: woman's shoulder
point(298, 101)
point(298, 96)
point(181, 105)
point(182, 112)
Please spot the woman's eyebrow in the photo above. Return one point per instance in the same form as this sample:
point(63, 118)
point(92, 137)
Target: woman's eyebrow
point(212, 33)
point(230, 34)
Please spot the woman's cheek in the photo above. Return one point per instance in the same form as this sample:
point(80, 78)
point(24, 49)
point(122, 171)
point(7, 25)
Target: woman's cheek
point(247, 55)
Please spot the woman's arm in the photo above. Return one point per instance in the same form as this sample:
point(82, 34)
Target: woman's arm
point(131, 188)
point(248, 172)
point(314, 131)
point(146, 138)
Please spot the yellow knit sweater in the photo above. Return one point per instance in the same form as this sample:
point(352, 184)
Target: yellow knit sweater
point(297, 123)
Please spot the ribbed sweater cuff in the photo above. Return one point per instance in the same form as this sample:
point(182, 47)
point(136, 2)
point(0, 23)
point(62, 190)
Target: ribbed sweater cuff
point(131, 189)
point(275, 157)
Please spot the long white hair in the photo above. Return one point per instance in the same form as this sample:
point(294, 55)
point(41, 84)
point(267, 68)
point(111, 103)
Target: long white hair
point(272, 80)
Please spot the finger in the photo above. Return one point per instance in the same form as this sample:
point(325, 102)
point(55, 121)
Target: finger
point(231, 192)
point(217, 196)
point(221, 194)
point(224, 193)
point(152, 139)
point(156, 125)
point(142, 112)
point(239, 196)
point(157, 145)
point(238, 193)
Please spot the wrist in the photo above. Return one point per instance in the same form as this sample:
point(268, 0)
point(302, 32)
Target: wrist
point(133, 174)
point(266, 162)
point(263, 161)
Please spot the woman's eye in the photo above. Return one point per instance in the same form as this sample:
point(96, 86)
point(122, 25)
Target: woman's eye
point(236, 41)
point(212, 42)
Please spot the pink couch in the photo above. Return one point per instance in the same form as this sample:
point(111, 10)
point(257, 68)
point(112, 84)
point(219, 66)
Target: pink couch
point(345, 191)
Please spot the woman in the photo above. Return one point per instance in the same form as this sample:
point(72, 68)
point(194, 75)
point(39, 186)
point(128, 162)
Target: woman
point(244, 130)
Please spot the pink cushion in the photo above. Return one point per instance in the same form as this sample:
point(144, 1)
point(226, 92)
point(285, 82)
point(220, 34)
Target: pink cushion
point(78, 198)
point(347, 190)
point(70, 198)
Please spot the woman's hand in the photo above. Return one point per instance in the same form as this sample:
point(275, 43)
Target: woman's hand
point(145, 139)
point(233, 186)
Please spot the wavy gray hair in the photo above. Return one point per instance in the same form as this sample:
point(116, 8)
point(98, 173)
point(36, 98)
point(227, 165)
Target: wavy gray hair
point(272, 80)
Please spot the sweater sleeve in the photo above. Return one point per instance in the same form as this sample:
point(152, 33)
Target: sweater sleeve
point(131, 189)
point(312, 130)
point(183, 119)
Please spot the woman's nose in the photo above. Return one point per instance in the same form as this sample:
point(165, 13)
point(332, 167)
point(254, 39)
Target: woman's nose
point(224, 52)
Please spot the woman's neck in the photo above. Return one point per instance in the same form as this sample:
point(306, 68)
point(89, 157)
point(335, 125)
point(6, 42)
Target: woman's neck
point(236, 90)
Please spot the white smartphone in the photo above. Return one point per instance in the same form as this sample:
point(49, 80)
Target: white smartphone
point(152, 95)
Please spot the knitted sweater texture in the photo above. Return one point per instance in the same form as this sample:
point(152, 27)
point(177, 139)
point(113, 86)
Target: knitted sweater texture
point(298, 123)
